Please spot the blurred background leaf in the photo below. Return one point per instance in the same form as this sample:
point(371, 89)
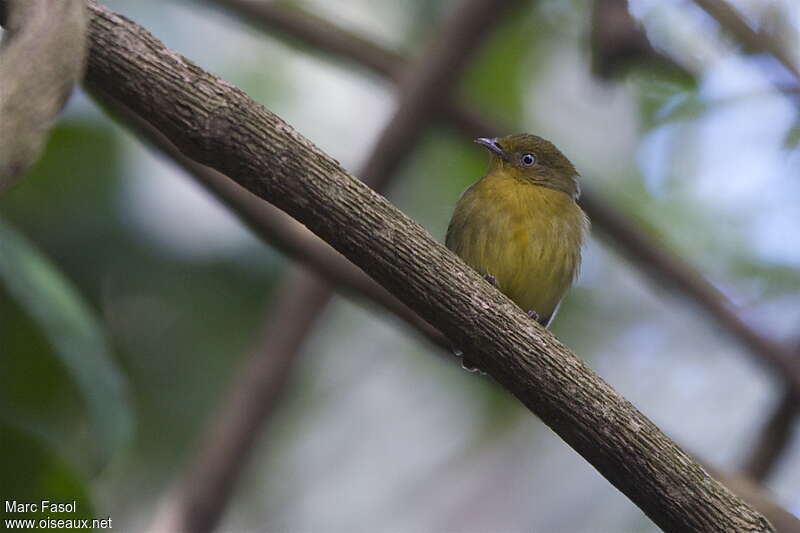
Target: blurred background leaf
point(76, 338)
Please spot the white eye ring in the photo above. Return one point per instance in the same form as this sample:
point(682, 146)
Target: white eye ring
point(527, 160)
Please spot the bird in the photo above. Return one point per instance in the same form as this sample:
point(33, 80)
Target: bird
point(520, 225)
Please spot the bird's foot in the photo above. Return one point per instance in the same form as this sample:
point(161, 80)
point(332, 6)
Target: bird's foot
point(466, 364)
point(491, 279)
point(469, 366)
point(533, 314)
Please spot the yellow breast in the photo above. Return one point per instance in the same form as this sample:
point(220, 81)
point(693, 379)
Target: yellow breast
point(527, 237)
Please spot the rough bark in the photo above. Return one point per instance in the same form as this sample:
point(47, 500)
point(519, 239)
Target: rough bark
point(198, 504)
point(625, 234)
point(615, 35)
point(278, 229)
point(218, 125)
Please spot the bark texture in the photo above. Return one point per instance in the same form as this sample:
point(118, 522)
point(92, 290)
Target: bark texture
point(279, 230)
point(198, 505)
point(218, 125)
point(624, 233)
point(276, 228)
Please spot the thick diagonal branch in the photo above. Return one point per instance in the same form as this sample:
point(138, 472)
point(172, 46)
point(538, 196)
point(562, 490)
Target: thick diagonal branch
point(198, 503)
point(621, 231)
point(274, 226)
point(41, 59)
point(220, 126)
point(277, 229)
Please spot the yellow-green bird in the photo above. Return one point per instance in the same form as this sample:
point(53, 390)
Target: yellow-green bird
point(520, 226)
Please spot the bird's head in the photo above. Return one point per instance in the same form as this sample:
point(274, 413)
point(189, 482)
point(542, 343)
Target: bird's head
point(533, 160)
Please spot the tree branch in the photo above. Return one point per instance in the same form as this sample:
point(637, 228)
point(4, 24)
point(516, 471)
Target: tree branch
point(307, 28)
point(624, 233)
point(774, 438)
point(673, 273)
point(619, 42)
point(218, 125)
point(41, 57)
point(776, 435)
point(731, 20)
point(424, 90)
point(755, 495)
point(198, 503)
point(274, 226)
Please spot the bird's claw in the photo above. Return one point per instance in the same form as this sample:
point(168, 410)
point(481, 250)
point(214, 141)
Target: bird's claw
point(467, 365)
point(533, 314)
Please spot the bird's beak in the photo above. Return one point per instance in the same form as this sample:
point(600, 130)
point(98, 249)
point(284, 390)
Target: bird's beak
point(493, 146)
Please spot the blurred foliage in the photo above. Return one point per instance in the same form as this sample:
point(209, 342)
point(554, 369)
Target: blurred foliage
point(495, 82)
point(76, 337)
point(32, 473)
point(169, 317)
point(663, 100)
point(375, 433)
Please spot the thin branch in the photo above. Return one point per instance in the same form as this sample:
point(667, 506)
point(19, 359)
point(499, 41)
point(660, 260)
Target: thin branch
point(310, 29)
point(618, 41)
point(675, 274)
point(41, 58)
point(220, 126)
point(623, 232)
point(755, 495)
point(774, 438)
point(198, 503)
point(730, 19)
point(776, 435)
point(426, 88)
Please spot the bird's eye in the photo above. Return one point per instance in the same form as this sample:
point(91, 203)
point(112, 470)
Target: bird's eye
point(527, 160)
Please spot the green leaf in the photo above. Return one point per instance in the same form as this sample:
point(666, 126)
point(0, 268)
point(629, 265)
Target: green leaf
point(77, 338)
